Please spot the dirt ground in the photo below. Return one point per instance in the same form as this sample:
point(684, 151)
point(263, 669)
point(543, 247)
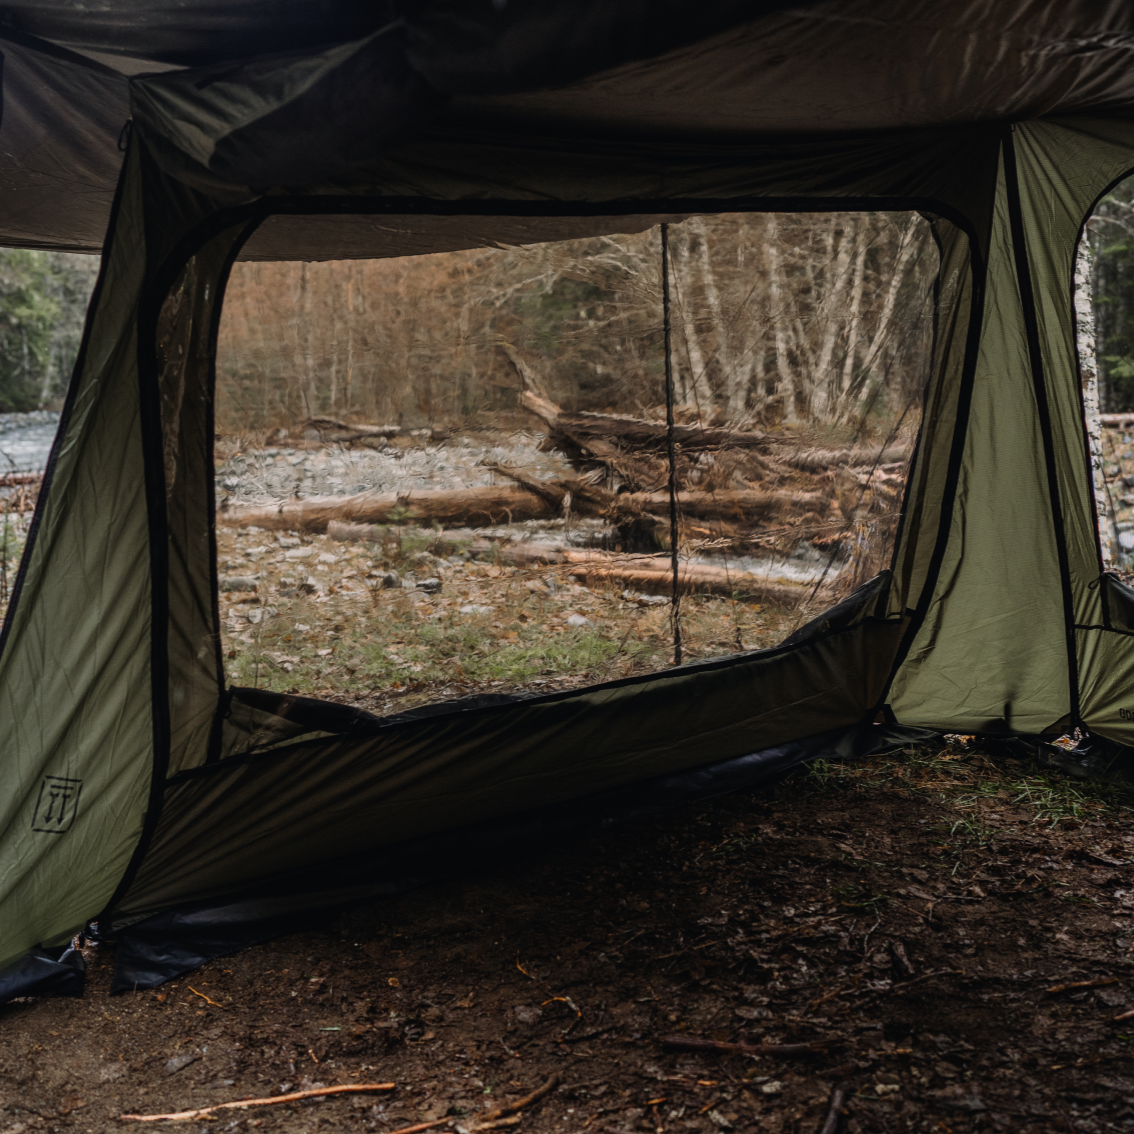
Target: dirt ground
point(955, 935)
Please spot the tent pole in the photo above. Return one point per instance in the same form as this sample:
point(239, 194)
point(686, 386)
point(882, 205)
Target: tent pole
point(671, 451)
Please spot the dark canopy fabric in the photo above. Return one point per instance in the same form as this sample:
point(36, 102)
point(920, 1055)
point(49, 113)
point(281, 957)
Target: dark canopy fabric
point(1001, 123)
point(340, 85)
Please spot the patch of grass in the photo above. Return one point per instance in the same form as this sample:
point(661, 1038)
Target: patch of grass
point(970, 831)
point(970, 782)
point(1055, 798)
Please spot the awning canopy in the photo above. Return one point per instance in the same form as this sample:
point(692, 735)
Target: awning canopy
point(293, 94)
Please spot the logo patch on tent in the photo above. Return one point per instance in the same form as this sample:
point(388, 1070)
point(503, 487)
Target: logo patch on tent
point(57, 804)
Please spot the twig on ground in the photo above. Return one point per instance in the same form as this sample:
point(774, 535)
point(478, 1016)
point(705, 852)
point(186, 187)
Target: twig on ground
point(421, 1126)
point(498, 1124)
point(204, 997)
point(519, 1104)
point(835, 1112)
point(1081, 984)
point(696, 1043)
point(295, 1096)
point(1125, 1015)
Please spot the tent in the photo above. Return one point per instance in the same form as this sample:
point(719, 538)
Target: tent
point(141, 791)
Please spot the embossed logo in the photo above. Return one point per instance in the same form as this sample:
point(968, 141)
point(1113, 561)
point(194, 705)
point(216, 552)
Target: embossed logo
point(57, 805)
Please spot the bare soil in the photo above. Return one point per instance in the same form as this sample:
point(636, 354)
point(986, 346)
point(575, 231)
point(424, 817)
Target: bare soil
point(959, 930)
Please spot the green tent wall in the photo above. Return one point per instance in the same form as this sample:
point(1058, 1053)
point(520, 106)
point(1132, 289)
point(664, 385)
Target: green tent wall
point(136, 783)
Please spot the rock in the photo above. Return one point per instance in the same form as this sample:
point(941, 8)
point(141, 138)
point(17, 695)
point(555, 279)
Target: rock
point(239, 583)
point(179, 1063)
point(287, 541)
point(477, 608)
point(527, 1015)
point(772, 1087)
point(578, 620)
point(299, 553)
point(430, 586)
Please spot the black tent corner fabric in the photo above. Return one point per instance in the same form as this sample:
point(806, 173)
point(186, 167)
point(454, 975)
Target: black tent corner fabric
point(44, 972)
point(220, 810)
point(156, 949)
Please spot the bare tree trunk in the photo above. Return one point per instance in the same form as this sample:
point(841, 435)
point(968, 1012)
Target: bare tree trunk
point(334, 290)
point(349, 397)
point(786, 385)
point(824, 379)
point(1089, 375)
point(695, 391)
point(907, 249)
point(310, 393)
point(736, 385)
point(853, 318)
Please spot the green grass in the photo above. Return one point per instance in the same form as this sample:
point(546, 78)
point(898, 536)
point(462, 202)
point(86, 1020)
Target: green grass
point(973, 784)
point(400, 651)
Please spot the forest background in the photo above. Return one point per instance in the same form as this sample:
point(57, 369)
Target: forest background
point(821, 320)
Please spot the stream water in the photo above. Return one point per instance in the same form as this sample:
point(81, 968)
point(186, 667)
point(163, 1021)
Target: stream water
point(25, 441)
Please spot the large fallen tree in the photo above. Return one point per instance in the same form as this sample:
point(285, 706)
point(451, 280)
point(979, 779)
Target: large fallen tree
point(634, 449)
point(529, 500)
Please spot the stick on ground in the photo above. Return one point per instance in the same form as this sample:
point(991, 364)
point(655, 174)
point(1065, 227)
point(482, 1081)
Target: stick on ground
point(527, 1100)
point(835, 1112)
point(696, 1043)
point(295, 1096)
point(421, 1126)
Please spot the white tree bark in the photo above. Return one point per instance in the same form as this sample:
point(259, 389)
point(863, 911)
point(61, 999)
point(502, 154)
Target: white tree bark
point(907, 247)
point(736, 377)
point(779, 316)
point(824, 379)
point(854, 317)
point(695, 390)
point(1089, 372)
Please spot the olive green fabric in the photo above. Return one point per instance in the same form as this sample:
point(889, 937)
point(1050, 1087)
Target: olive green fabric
point(75, 696)
point(974, 619)
point(231, 827)
point(999, 581)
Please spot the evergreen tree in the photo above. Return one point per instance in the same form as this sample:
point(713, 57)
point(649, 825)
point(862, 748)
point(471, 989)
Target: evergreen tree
point(1111, 231)
point(43, 302)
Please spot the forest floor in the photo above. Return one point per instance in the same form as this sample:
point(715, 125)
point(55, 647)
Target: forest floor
point(309, 615)
point(955, 936)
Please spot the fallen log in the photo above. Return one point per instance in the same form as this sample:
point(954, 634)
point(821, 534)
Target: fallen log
point(493, 504)
point(487, 505)
point(650, 574)
point(747, 505)
point(331, 429)
point(635, 431)
point(819, 460)
point(13, 480)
